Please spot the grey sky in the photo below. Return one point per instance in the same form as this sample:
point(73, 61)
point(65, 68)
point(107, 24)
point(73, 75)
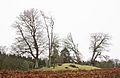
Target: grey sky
point(80, 17)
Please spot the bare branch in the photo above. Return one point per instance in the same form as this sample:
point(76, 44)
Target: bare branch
point(99, 43)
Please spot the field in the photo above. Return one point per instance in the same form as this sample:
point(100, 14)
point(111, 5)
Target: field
point(96, 73)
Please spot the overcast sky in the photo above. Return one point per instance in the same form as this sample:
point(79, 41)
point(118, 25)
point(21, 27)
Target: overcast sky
point(80, 17)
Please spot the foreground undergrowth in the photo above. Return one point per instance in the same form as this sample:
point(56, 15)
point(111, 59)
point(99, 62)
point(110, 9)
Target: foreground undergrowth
point(97, 73)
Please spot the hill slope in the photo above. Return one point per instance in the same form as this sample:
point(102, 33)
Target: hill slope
point(70, 66)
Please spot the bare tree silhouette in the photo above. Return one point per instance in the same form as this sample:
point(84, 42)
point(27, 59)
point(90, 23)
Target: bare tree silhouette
point(99, 44)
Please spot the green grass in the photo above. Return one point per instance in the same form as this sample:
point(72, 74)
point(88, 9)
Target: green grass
point(63, 67)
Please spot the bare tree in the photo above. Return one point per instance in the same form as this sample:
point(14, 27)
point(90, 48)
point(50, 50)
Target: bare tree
point(69, 43)
point(99, 44)
point(30, 38)
point(49, 25)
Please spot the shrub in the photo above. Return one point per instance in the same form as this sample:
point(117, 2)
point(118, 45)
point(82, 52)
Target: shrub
point(73, 66)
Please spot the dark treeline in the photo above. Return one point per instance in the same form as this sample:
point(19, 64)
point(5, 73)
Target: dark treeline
point(111, 63)
point(15, 62)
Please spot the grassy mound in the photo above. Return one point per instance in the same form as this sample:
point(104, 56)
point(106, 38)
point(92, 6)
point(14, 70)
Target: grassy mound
point(70, 66)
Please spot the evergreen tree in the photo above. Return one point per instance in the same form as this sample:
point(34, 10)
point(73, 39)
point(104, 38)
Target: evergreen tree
point(54, 57)
point(65, 56)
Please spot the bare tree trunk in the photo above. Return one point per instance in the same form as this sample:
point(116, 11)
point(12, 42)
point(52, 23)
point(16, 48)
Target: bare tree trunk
point(92, 58)
point(51, 43)
point(49, 61)
point(36, 63)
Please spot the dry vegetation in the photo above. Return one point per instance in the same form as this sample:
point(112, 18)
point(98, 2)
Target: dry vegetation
point(96, 73)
